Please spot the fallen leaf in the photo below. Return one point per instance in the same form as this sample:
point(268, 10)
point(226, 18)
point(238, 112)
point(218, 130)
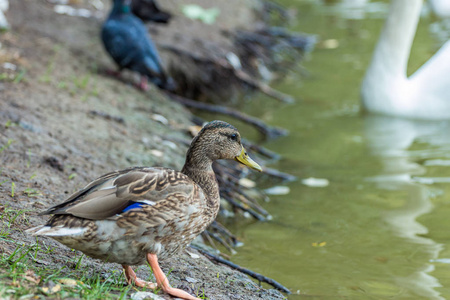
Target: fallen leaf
point(55, 289)
point(69, 282)
point(320, 244)
point(15, 283)
point(31, 276)
point(382, 259)
point(51, 288)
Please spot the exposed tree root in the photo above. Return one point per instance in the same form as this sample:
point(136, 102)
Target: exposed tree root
point(266, 130)
point(257, 276)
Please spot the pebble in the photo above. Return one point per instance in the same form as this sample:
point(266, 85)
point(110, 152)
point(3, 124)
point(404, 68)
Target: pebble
point(145, 295)
point(161, 119)
point(193, 255)
point(191, 280)
point(316, 182)
point(245, 182)
point(278, 190)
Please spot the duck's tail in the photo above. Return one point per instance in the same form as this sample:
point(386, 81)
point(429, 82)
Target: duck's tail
point(55, 231)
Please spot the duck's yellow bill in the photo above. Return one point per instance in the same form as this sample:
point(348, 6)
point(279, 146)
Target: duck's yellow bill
point(244, 159)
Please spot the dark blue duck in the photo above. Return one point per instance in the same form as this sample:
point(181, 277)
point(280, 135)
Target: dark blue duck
point(127, 41)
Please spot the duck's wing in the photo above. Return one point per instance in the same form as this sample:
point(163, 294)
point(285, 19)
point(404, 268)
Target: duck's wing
point(124, 40)
point(119, 191)
point(434, 75)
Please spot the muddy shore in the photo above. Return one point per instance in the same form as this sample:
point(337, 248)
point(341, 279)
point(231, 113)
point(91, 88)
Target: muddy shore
point(63, 123)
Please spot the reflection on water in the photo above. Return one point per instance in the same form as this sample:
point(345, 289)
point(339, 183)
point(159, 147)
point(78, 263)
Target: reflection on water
point(354, 9)
point(380, 228)
point(390, 139)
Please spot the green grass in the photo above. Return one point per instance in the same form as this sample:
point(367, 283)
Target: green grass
point(15, 78)
point(8, 143)
point(10, 123)
point(81, 86)
point(47, 77)
point(13, 189)
point(10, 218)
point(25, 273)
point(22, 273)
point(32, 192)
point(20, 276)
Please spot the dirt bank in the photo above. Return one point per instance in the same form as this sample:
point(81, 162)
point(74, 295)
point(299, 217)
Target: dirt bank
point(62, 123)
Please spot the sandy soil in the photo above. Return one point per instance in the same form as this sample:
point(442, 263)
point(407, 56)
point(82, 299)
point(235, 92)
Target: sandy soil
point(63, 123)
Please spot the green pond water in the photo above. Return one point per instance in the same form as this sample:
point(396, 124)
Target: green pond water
point(381, 228)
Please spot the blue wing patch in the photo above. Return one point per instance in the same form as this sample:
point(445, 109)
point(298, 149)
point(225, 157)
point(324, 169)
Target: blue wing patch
point(133, 206)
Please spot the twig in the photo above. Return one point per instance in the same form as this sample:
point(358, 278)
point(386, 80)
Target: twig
point(253, 213)
point(224, 231)
point(208, 237)
point(257, 276)
point(107, 116)
point(218, 238)
point(268, 131)
point(260, 150)
point(248, 201)
point(276, 173)
point(263, 87)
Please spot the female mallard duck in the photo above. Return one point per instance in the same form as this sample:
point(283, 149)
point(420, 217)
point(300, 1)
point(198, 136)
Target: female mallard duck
point(139, 214)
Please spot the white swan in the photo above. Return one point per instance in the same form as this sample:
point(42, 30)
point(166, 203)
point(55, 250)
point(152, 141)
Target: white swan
point(4, 5)
point(387, 90)
point(441, 8)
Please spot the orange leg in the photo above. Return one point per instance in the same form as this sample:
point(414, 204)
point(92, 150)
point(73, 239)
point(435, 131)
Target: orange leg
point(132, 278)
point(163, 282)
point(143, 85)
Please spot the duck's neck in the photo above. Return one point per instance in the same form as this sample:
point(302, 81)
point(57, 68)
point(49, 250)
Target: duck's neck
point(120, 7)
point(396, 38)
point(200, 170)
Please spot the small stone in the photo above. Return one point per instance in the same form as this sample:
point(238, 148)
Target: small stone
point(193, 255)
point(161, 119)
point(156, 153)
point(9, 66)
point(245, 182)
point(145, 295)
point(170, 144)
point(278, 190)
point(191, 280)
point(316, 182)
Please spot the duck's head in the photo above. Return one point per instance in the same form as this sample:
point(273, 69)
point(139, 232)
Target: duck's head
point(219, 140)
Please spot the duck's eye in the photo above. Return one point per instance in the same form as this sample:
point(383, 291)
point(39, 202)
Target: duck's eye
point(234, 137)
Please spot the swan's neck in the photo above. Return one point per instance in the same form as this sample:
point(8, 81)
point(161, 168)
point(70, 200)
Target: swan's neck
point(396, 38)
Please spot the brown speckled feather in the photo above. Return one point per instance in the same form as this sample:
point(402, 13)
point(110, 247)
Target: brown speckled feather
point(110, 194)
